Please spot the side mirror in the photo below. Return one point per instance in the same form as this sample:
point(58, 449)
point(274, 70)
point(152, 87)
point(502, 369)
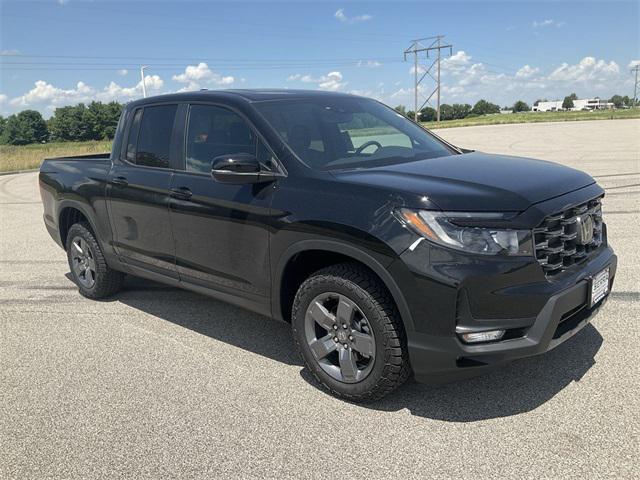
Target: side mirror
point(238, 168)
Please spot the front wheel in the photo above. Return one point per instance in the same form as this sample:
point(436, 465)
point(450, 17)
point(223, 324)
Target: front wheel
point(349, 333)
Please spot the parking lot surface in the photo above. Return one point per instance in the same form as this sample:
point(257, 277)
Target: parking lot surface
point(163, 383)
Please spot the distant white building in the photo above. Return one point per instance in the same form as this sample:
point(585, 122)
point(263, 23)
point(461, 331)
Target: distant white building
point(579, 104)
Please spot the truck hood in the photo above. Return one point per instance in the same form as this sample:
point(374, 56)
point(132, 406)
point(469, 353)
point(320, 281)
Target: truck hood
point(474, 181)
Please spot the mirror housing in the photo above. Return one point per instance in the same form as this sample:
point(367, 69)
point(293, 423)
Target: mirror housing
point(239, 168)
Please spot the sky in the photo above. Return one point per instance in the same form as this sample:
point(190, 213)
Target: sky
point(62, 52)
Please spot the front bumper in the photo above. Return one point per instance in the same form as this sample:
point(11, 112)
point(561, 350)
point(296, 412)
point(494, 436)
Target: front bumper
point(509, 293)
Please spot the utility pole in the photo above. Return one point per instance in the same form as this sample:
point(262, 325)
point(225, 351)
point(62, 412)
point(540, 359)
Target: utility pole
point(635, 85)
point(426, 45)
point(144, 87)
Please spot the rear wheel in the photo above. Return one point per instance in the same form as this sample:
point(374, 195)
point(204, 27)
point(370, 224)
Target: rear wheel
point(95, 279)
point(349, 333)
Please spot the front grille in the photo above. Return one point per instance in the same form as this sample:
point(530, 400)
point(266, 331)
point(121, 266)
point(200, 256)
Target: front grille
point(558, 238)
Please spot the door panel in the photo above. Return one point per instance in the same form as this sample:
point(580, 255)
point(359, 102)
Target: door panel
point(139, 212)
point(138, 191)
point(221, 234)
point(221, 230)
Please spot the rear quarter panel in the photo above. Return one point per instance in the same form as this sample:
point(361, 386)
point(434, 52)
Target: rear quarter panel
point(78, 182)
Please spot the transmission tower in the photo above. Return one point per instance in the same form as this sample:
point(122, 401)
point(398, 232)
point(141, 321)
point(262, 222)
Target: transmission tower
point(635, 85)
point(427, 45)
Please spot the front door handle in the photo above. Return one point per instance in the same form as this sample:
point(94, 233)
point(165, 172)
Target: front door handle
point(120, 181)
point(182, 193)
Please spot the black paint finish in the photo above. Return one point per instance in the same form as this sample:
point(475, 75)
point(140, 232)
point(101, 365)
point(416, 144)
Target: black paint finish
point(237, 242)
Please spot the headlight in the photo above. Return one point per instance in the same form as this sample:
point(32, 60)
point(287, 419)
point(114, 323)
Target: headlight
point(441, 228)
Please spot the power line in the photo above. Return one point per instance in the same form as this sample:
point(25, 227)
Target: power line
point(211, 59)
point(416, 47)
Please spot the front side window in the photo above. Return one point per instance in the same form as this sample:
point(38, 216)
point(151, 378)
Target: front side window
point(215, 131)
point(349, 132)
point(154, 138)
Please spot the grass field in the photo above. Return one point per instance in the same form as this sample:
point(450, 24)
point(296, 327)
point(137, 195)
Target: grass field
point(30, 156)
point(14, 158)
point(536, 117)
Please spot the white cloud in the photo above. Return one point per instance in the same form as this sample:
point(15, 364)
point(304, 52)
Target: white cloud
point(9, 52)
point(527, 71)
point(342, 17)
point(332, 81)
point(633, 63)
point(3, 99)
point(196, 76)
point(48, 96)
point(467, 81)
point(589, 69)
point(369, 63)
point(550, 22)
point(123, 72)
point(456, 63)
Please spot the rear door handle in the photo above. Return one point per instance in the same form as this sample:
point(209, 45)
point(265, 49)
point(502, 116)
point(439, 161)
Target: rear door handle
point(120, 181)
point(182, 193)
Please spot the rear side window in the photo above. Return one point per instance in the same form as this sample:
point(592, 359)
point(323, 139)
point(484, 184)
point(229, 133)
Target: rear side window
point(215, 131)
point(133, 136)
point(154, 136)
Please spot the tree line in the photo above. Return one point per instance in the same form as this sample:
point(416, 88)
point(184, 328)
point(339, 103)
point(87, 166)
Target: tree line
point(452, 112)
point(459, 111)
point(95, 121)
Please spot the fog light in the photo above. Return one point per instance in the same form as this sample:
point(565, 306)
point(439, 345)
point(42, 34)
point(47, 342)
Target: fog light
point(488, 336)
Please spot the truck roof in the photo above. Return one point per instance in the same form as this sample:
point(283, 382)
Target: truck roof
point(249, 95)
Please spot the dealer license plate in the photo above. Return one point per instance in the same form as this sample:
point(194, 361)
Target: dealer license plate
point(599, 286)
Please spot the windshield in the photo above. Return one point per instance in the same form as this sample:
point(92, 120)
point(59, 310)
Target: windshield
point(343, 132)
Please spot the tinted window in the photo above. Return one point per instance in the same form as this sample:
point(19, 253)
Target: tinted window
point(344, 132)
point(215, 131)
point(133, 136)
point(154, 138)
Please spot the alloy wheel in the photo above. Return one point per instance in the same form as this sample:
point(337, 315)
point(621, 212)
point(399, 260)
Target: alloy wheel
point(340, 337)
point(83, 262)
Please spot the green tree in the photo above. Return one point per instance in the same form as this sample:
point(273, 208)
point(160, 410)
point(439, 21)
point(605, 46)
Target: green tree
point(617, 101)
point(70, 124)
point(461, 110)
point(626, 101)
point(446, 112)
point(410, 114)
point(102, 119)
point(3, 124)
point(520, 106)
point(567, 103)
point(401, 109)
point(427, 114)
point(482, 107)
point(25, 127)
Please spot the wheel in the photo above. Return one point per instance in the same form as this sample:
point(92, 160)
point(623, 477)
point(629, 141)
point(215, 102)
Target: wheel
point(89, 269)
point(349, 333)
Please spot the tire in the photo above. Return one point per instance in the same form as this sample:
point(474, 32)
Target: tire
point(367, 307)
point(95, 279)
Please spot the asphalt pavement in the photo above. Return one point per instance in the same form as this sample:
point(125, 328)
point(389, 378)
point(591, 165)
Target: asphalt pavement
point(163, 383)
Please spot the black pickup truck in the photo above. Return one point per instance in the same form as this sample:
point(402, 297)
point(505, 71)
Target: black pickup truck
point(390, 251)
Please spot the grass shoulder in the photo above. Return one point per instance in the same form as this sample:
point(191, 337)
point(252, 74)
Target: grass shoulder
point(25, 157)
point(536, 117)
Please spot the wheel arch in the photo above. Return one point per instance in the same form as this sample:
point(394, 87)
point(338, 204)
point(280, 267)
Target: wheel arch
point(282, 295)
point(69, 213)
